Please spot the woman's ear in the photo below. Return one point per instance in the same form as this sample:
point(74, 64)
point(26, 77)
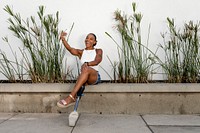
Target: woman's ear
point(95, 43)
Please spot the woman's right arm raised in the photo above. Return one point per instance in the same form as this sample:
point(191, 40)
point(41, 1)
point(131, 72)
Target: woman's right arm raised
point(73, 51)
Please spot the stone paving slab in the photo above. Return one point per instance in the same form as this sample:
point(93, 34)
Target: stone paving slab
point(173, 123)
point(175, 129)
point(36, 123)
point(98, 123)
point(5, 116)
point(175, 120)
point(93, 123)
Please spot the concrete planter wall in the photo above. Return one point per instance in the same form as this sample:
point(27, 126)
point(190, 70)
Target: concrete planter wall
point(109, 98)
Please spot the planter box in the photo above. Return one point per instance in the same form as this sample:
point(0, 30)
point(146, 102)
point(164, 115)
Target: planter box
point(106, 98)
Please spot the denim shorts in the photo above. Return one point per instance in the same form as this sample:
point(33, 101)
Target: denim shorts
point(98, 79)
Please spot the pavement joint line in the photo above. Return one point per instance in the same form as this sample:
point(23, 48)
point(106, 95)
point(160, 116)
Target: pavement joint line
point(148, 126)
point(174, 125)
point(15, 114)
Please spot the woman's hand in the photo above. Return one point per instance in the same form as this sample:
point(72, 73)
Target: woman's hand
point(63, 35)
point(84, 66)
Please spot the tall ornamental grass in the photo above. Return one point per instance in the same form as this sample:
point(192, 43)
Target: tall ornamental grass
point(135, 59)
point(43, 54)
point(12, 70)
point(182, 52)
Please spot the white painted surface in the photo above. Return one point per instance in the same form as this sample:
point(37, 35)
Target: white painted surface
point(97, 16)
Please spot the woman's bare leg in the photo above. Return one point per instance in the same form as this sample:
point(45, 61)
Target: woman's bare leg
point(89, 76)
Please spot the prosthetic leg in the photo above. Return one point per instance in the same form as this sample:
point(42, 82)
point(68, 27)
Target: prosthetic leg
point(73, 116)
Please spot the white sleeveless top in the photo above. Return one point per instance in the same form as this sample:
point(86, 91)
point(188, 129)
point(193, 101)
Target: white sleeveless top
point(88, 56)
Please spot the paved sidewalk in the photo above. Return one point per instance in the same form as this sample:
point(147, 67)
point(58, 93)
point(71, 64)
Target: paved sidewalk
point(98, 123)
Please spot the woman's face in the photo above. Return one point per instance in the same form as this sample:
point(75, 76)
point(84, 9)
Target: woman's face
point(90, 41)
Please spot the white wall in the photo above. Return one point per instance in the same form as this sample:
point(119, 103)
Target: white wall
point(97, 16)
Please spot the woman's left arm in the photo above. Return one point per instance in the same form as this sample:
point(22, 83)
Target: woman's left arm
point(97, 59)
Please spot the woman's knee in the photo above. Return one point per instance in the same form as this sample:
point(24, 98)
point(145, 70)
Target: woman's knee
point(85, 71)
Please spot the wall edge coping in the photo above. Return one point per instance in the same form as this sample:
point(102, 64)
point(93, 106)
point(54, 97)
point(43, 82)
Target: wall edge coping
point(101, 88)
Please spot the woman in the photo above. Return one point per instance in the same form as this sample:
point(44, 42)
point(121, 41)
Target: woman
point(90, 59)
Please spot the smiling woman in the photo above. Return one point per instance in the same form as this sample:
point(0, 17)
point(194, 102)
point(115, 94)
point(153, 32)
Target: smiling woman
point(90, 59)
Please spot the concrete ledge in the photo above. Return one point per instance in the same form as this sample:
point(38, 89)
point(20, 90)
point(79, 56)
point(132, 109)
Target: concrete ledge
point(112, 98)
point(105, 87)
